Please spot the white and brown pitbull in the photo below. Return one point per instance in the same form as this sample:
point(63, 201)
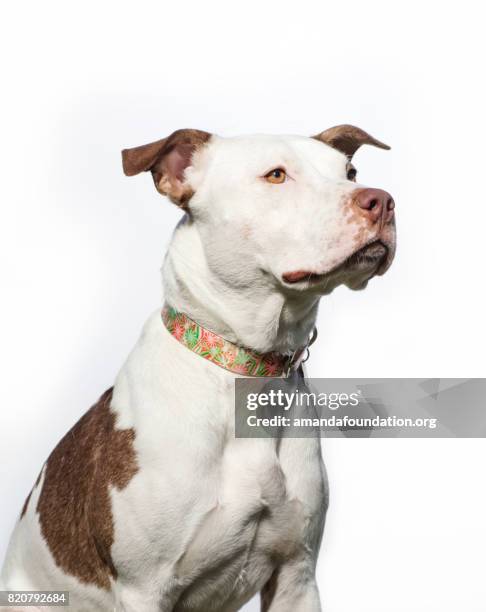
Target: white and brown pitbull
point(150, 503)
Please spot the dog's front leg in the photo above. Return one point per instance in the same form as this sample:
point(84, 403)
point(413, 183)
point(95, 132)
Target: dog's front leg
point(291, 588)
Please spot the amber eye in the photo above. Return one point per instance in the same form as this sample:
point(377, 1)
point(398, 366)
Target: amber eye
point(276, 176)
point(351, 173)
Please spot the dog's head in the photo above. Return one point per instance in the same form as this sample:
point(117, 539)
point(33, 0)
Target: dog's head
point(284, 208)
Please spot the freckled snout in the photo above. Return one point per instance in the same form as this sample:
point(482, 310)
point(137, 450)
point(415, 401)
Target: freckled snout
point(373, 246)
point(376, 204)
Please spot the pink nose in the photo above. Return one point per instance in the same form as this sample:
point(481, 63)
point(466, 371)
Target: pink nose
point(375, 203)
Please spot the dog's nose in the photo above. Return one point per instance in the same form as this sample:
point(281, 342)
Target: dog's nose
point(376, 203)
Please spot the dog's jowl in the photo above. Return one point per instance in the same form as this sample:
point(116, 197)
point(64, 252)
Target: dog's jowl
point(150, 503)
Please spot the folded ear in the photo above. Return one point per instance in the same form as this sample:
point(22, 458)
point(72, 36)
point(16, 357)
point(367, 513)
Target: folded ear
point(348, 139)
point(167, 160)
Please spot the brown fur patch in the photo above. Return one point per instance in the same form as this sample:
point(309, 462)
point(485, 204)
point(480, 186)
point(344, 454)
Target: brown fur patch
point(74, 505)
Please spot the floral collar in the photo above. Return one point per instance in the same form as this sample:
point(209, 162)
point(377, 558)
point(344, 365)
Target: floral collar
point(227, 355)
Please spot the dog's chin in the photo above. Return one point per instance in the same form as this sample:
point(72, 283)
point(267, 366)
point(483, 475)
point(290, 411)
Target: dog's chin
point(371, 260)
point(355, 271)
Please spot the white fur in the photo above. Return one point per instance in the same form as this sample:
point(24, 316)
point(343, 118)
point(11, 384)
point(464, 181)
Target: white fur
point(208, 517)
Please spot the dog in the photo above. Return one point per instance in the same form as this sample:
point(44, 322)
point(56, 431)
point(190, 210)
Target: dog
point(150, 503)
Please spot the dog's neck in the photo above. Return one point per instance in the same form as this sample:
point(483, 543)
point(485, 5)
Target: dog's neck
point(257, 316)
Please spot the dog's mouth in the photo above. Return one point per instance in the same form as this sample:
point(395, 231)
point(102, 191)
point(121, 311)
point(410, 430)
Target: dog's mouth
point(372, 259)
point(374, 254)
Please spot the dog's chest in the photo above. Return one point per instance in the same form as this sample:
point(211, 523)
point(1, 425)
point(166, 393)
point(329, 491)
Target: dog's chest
point(256, 523)
point(218, 533)
point(208, 515)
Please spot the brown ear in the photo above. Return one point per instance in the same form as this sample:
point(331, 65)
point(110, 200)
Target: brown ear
point(167, 159)
point(348, 139)
point(140, 159)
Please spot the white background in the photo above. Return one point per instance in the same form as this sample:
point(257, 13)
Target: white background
point(82, 245)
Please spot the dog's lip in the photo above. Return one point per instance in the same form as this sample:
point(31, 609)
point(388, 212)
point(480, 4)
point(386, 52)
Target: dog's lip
point(299, 275)
point(374, 252)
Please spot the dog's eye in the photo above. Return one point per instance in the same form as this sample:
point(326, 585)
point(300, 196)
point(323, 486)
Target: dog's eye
point(276, 176)
point(351, 173)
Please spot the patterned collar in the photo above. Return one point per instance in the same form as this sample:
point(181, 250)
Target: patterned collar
point(228, 355)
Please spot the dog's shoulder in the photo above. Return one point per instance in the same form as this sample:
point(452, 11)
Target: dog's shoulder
point(74, 504)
